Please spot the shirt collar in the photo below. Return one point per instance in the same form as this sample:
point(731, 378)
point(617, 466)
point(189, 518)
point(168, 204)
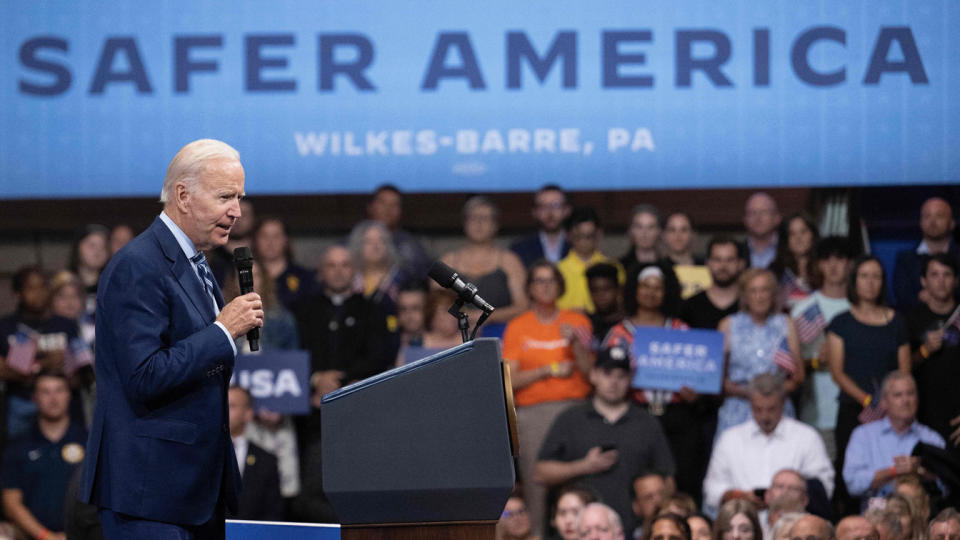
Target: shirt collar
point(185, 243)
point(887, 427)
point(756, 431)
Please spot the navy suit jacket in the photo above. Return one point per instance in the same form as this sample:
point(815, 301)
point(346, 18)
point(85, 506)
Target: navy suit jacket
point(529, 249)
point(159, 448)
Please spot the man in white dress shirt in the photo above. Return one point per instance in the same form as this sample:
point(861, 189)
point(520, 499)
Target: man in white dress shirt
point(748, 455)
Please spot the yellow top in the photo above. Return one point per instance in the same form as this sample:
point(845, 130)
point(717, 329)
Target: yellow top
point(574, 271)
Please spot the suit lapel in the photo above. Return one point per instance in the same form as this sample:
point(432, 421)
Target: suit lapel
point(183, 270)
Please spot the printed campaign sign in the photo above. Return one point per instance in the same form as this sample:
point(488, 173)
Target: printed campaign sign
point(278, 380)
point(671, 359)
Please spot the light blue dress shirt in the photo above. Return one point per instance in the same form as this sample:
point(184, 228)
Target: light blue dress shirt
point(873, 446)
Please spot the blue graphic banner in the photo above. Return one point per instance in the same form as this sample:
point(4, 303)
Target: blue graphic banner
point(266, 530)
point(277, 380)
point(340, 96)
point(671, 359)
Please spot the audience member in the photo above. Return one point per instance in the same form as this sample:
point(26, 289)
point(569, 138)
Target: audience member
point(605, 290)
point(379, 272)
point(946, 526)
point(749, 455)
point(811, 527)
point(667, 527)
point(681, 414)
point(856, 528)
point(607, 441)
point(120, 235)
point(761, 217)
point(571, 500)
point(880, 451)
point(818, 403)
point(678, 241)
point(726, 260)
point(34, 340)
point(495, 271)
point(67, 300)
point(936, 347)
point(279, 332)
point(412, 314)
point(781, 527)
point(649, 490)
point(600, 522)
point(913, 527)
point(863, 345)
point(442, 331)
point(679, 503)
point(584, 232)
point(758, 340)
point(796, 262)
point(644, 234)
point(514, 523)
point(88, 257)
point(386, 206)
point(272, 248)
point(701, 527)
point(909, 486)
point(887, 524)
point(39, 464)
point(549, 356)
point(550, 209)
point(260, 497)
point(937, 225)
point(737, 520)
point(787, 494)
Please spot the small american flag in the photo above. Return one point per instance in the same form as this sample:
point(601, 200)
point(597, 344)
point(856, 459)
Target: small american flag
point(783, 358)
point(872, 413)
point(78, 354)
point(810, 323)
point(22, 351)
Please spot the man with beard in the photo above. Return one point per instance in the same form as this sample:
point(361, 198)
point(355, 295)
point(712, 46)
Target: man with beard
point(937, 224)
point(726, 259)
point(550, 210)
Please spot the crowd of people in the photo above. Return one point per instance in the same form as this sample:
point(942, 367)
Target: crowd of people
point(837, 405)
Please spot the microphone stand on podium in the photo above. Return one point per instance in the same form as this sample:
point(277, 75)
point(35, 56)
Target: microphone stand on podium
point(425, 450)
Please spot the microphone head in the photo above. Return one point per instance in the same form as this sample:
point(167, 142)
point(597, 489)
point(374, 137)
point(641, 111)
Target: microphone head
point(242, 257)
point(442, 274)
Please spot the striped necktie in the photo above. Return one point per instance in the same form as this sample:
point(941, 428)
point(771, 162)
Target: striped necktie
point(206, 274)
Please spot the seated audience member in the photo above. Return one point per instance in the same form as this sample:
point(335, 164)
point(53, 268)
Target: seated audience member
point(818, 404)
point(783, 524)
point(693, 276)
point(761, 217)
point(600, 522)
point(549, 356)
point(379, 270)
point(680, 504)
point(514, 523)
point(606, 442)
point(649, 491)
point(796, 262)
point(726, 259)
point(936, 348)
point(701, 527)
point(856, 528)
point(411, 314)
point(442, 331)
point(946, 526)
point(880, 451)
point(758, 340)
point(737, 520)
point(910, 522)
point(271, 246)
point(909, 486)
point(386, 206)
point(584, 233)
point(120, 235)
point(811, 527)
point(605, 291)
point(787, 494)
point(748, 455)
point(280, 328)
point(886, 523)
point(39, 464)
point(571, 500)
point(33, 339)
point(667, 527)
point(260, 497)
point(550, 211)
point(644, 235)
point(937, 225)
point(496, 272)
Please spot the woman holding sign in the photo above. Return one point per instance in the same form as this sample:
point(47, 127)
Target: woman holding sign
point(758, 340)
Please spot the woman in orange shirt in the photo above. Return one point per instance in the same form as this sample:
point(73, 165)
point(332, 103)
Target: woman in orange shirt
point(549, 354)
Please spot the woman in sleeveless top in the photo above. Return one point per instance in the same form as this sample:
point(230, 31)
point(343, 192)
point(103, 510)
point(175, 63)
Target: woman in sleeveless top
point(758, 340)
point(498, 273)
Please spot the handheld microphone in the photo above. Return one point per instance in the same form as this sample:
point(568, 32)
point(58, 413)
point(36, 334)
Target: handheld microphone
point(448, 278)
point(243, 260)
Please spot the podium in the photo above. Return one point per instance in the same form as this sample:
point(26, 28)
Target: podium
point(424, 450)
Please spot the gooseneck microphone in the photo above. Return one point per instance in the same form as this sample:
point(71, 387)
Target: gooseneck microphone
point(448, 278)
point(243, 260)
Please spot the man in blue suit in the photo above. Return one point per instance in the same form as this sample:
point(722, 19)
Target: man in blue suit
point(160, 462)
